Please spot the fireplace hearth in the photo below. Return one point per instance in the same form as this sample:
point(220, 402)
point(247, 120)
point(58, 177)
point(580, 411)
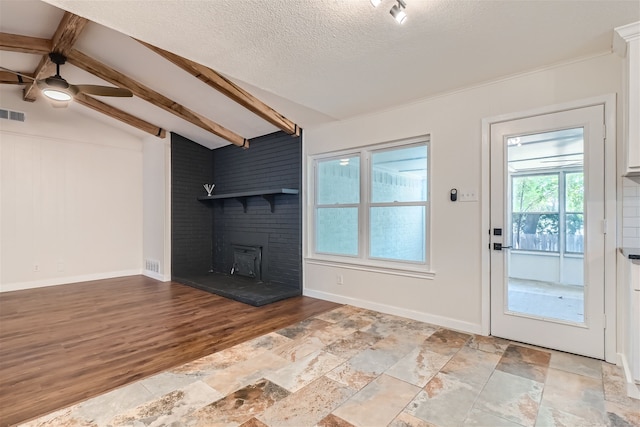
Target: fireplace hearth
point(240, 288)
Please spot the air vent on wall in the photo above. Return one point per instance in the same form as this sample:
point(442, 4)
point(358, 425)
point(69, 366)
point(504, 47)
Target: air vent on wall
point(12, 115)
point(152, 265)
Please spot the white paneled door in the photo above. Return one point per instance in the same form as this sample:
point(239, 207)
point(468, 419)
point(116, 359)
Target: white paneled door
point(547, 230)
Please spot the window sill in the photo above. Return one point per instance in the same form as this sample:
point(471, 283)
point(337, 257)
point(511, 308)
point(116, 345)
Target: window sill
point(374, 267)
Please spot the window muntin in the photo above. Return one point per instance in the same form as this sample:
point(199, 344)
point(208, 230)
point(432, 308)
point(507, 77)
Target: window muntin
point(387, 220)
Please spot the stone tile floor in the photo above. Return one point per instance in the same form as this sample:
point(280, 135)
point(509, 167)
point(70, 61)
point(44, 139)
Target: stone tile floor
point(355, 367)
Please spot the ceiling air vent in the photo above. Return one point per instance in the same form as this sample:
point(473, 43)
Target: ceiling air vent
point(11, 115)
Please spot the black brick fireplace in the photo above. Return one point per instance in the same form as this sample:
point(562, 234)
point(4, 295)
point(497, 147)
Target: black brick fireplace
point(244, 242)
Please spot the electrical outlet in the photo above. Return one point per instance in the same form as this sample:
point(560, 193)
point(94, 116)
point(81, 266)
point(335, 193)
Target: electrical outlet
point(339, 279)
point(60, 266)
point(36, 267)
point(468, 196)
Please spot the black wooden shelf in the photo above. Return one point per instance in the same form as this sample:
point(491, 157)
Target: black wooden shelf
point(268, 195)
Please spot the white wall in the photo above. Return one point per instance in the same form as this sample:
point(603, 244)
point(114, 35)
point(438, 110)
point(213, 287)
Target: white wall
point(70, 197)
point(454, 121)
point(156, 250)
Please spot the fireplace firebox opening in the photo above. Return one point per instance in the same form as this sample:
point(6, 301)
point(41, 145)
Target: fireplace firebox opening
point(247, 261)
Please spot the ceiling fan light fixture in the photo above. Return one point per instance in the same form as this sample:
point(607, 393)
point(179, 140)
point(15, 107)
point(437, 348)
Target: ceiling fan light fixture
point(57, 94)
point(398, 13)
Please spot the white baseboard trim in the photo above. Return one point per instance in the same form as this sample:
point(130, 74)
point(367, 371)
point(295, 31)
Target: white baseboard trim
point(633, 390)
point(157, 276)
point(66, 280)
point(442, 321)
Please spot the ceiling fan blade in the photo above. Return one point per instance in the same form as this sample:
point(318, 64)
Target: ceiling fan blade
point(101, 90)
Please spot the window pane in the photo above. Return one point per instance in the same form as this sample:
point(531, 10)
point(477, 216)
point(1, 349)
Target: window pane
point(535, 193)
point(575, 192)
point(399, 175)
point(535, 231)
point(338, 181)
point(337, 231)
point(575, 233)
point(398, 232)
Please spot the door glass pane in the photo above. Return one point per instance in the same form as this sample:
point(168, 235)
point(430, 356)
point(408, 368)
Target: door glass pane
point(546, 211)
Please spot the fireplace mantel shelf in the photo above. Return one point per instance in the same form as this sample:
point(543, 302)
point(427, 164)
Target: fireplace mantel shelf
point(268, 195)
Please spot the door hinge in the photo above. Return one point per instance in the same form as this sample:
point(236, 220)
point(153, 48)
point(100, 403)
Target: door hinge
point(604, 131)
point(604, 321)
point(604, 226)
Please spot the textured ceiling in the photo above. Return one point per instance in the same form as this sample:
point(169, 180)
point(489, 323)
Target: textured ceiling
point(317, 60)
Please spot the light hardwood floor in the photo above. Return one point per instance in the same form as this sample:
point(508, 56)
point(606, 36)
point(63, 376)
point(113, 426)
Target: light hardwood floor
point(63, 344)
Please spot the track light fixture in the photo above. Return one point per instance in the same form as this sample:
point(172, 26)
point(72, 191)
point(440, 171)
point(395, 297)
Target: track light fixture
point(398, 13)
point(397, 10)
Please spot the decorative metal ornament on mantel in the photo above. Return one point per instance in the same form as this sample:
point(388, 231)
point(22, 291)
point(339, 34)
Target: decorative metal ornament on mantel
point(209, 188)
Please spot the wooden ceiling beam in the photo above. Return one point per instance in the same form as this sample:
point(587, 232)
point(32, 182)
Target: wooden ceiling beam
point(229, 89)
point(9, 78)
point(64, 38)
point(68, 32)
point(118, 114)
point(103, 71)
point(66, 35)
point(24, 44)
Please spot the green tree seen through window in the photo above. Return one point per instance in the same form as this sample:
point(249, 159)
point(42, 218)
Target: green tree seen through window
point(535, 205)
point(536, 211)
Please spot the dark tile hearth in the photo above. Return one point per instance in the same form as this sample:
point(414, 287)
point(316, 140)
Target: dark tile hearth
point(241, 289)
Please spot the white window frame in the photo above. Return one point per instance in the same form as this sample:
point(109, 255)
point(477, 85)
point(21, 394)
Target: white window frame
point(363, 261)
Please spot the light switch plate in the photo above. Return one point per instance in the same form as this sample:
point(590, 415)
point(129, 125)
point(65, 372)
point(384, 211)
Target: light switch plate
point(468, 196)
